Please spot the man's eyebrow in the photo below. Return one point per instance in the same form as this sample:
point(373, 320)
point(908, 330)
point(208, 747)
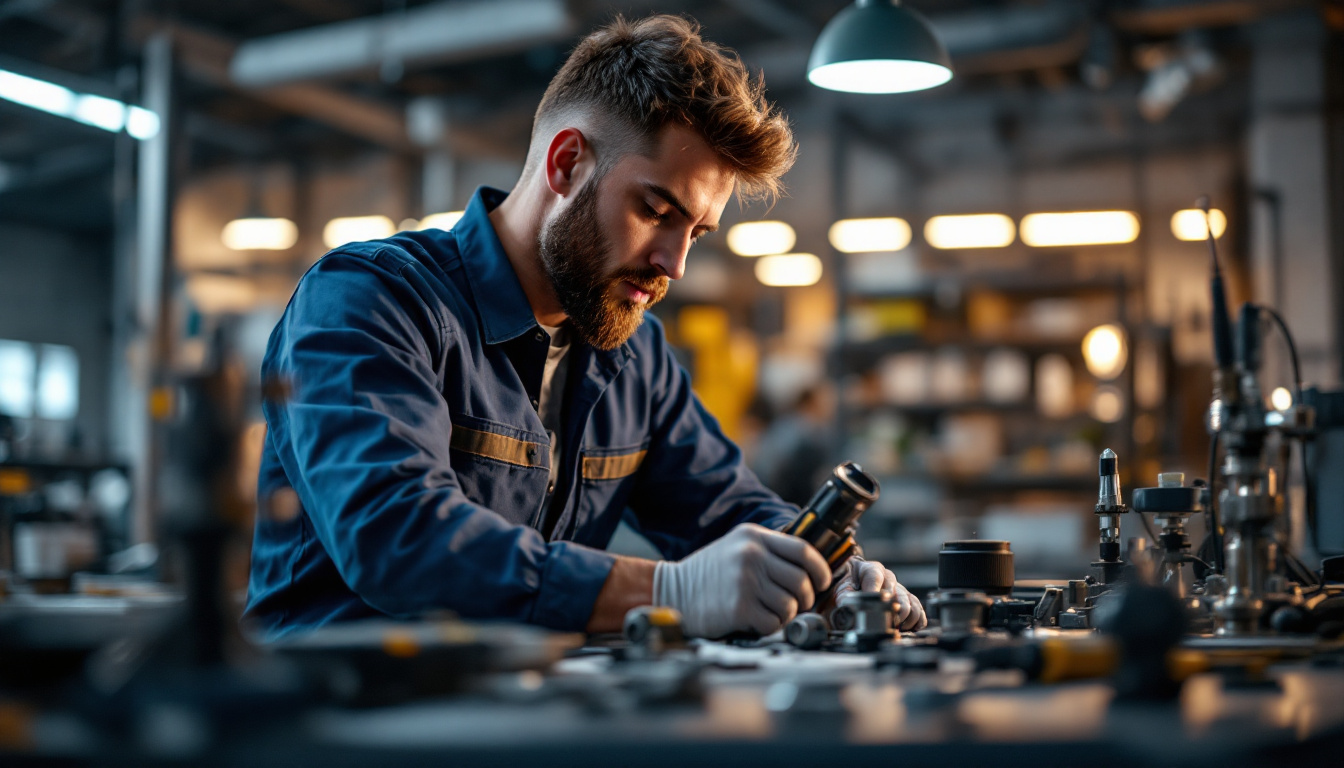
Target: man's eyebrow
point(675, 203)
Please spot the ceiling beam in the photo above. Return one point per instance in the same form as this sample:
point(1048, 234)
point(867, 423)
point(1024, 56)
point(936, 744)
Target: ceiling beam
point(435, 33)
point(205, 56)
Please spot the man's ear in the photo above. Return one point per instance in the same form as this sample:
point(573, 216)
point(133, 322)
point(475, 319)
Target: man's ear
point(563, 157)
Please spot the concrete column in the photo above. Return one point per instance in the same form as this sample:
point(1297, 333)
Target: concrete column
point(139, 284)
point(1290, 232)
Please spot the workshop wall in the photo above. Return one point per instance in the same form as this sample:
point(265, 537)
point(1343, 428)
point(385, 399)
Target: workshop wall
point(42, 270)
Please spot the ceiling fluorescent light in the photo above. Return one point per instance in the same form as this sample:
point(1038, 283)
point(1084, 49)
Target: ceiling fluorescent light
point(1044, 230)
point(760, 238)
point(870, 235)
point(354, 229)
point(260, 234)
point(98, 111)
point(789, 269)
point(980, 230)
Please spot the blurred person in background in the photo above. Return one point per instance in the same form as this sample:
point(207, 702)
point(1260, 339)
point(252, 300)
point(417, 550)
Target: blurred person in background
point(793, 454)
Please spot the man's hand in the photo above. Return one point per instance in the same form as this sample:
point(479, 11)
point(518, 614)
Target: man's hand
point(865, 576)
point(752, 579)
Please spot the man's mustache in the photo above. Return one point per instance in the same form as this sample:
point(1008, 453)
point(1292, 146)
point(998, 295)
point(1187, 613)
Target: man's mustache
point(647, 280)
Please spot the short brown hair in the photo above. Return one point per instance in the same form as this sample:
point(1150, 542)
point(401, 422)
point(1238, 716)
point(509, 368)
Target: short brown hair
point(657, 70)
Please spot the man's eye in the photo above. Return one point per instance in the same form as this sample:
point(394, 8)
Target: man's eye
point(653, 214)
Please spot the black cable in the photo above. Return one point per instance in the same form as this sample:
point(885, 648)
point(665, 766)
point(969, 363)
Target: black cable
point(1308, 497)
point(1292, 350)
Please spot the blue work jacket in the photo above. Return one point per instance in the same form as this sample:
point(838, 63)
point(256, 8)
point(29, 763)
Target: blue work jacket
point(407, 470)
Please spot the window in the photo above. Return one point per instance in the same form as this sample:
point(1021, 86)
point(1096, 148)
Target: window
point(38, 380)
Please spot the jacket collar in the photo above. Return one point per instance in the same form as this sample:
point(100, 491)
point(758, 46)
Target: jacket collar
point(500, 301)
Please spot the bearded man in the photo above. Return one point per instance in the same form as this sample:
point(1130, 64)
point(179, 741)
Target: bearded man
point(474, 411)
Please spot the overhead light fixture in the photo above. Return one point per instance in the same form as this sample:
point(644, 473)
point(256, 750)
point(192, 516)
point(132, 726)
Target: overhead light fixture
point(444, 221)
point(870, 235)
point(98, 111)
point(878, 46)
point(760, 238)
point(1104, 351)
point(1045, 230)
point(1190, 224)
point(980, 230)
point(788, 269)
point(354, 229)
point(259, 234)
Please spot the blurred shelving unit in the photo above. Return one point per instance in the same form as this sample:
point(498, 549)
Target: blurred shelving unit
point(966, 388)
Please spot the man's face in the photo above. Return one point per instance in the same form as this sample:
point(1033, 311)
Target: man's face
point(611, 250)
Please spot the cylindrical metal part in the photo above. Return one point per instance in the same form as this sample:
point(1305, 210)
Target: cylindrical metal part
point(827, 522)
point(1108, 494)
point(807, 631)
point(960, 612)
point(979, 565)
point(873, 619)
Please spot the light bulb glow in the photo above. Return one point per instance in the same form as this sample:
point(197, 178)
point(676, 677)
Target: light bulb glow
point(1104, 351)
point(1281, 399)
point(879, 76)
point(1189, 224)
point(789, 269)
point(444, 221)
point(761, 238)
point(259, 234)
point(354, 229)
point(981, 230)
point(1045, 230)
point(1107, 405)
point(870, 235)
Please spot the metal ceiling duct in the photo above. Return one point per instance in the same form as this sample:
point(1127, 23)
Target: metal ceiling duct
point(1015, 37)
point(441, 32)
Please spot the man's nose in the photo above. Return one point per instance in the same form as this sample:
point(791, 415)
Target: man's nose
point(670, 257)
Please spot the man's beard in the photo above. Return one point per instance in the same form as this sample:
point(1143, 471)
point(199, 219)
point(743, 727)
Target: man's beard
point(574, 253)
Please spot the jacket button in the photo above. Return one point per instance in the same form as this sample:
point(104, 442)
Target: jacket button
point(541, 336)
point(550, 488)
point(536, 403)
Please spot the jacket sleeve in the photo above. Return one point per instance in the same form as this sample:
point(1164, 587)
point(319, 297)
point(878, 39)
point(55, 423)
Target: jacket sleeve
point(363, 438)
point(693, 485)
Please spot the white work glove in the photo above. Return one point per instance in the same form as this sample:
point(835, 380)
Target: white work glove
point(752, 579)
point(863, 576)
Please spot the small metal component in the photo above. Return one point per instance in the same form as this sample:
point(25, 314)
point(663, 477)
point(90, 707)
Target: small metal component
point(873, 620)
point(807, 631)
point(1076, 594)
point(1049, 606)
point(652, 630)
point(842, 618)
point(960, 612)
point(1110, 506)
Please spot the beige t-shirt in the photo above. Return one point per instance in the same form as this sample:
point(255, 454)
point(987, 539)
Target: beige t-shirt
point(552, 399)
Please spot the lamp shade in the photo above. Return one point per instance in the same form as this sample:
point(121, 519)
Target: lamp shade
point(878, 46)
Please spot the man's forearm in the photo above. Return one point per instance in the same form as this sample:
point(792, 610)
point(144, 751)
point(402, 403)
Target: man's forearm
point(629, 585)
